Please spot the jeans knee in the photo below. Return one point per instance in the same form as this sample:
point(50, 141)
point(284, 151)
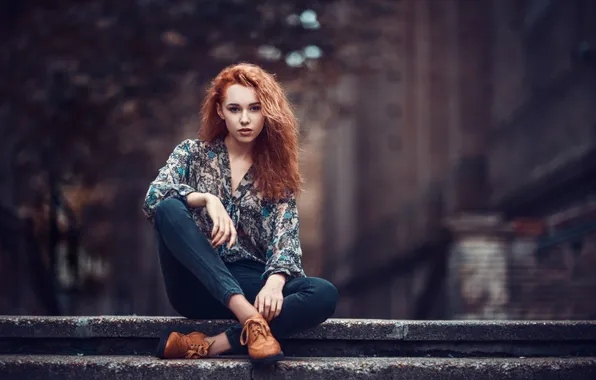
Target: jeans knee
point(168, 207)
point(327, 295)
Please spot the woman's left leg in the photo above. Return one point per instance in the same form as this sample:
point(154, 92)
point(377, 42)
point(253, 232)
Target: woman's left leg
point(308, 302)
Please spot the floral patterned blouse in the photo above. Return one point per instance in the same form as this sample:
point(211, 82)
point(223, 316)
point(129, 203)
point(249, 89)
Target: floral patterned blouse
point(267, 230)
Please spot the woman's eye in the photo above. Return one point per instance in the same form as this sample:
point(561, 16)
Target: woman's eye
point(233, 109)
point(255, 108)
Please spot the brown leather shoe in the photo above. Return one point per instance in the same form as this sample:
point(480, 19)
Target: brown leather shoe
point(263, 348)
point(179, 346)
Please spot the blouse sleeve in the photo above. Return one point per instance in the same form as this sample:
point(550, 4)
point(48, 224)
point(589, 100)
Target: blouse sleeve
point(172, 181)
point(284, 254)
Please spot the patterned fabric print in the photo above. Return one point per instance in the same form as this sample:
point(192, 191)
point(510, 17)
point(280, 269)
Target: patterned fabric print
point(268, 231)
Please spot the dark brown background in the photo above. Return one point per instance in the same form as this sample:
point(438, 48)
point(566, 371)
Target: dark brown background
point(417, 111)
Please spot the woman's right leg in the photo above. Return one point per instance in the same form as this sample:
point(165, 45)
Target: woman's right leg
point(180, 238)
point(191, 299)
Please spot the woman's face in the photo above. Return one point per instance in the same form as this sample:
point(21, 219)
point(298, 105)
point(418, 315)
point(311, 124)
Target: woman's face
point(241, 110)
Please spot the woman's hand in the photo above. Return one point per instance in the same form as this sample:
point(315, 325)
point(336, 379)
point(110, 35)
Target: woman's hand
point(223, 227)
point(270, 299)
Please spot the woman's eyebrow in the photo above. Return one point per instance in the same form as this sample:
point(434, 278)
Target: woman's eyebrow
point(238, 105)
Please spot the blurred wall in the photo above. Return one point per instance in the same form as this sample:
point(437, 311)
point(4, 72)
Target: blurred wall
point(495, 124)
point(542, 156)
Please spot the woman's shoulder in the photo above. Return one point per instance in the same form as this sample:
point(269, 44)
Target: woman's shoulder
point(193, 145)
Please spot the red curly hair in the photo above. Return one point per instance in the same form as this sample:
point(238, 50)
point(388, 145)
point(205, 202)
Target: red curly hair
point(275, 155)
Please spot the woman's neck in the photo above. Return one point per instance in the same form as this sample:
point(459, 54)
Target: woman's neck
point(238, 150)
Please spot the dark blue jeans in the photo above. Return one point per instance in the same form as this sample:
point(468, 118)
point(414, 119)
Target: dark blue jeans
point(199, 284)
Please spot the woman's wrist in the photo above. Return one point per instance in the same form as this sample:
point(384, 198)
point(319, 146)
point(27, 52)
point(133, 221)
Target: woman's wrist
point(277, 279)
point(196, 199)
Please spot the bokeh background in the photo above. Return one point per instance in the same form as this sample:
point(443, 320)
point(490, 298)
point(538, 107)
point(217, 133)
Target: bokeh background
point(448, 148)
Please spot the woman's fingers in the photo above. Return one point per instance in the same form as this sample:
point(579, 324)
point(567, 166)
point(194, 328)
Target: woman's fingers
point(267, 310)
point(233, 235)
point(220, 231)
point(273, 310)
point(261, 305)
point(215, 214)
point(278, 308)
point(229, 230)
point(215, 229)
point(229, 233)
point(225, 234)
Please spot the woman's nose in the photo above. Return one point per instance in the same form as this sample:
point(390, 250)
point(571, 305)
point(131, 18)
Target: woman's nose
point(244, 118)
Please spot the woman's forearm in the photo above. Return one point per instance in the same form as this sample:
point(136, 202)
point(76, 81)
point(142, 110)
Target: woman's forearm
point(196, 199)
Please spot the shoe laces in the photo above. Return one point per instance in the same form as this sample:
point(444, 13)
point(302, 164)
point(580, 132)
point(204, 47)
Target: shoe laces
point(197, 350)
point(253, 328)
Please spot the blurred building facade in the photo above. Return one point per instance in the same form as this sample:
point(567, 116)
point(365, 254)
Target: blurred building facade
point(474, 188)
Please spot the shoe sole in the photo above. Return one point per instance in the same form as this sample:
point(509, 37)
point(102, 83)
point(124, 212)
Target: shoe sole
point(268, 360)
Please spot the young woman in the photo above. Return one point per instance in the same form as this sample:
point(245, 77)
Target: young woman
point(224, 208)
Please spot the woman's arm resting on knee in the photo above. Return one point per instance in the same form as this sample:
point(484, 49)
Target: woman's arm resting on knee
point(284, 257)
point(223, 226)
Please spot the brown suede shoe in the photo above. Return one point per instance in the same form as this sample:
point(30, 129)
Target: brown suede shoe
point(263, 348)
point(179, 346)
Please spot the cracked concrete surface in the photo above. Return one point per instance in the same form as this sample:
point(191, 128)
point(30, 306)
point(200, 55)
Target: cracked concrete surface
point(127, 367)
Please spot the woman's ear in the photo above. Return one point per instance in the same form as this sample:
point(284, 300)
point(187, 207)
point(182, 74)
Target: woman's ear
point(219, 110)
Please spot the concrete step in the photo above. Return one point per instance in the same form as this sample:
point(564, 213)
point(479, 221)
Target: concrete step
point(17, 367)
point(108, 335)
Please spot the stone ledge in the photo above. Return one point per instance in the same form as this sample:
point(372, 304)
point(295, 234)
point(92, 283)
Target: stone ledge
point(333, 329)
point(126, 367)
